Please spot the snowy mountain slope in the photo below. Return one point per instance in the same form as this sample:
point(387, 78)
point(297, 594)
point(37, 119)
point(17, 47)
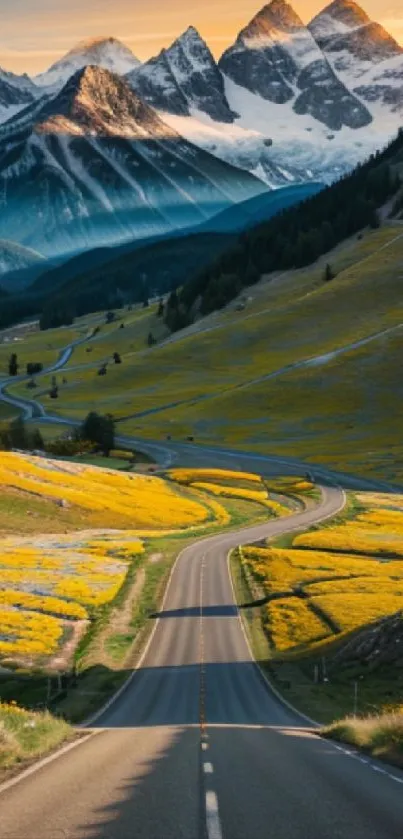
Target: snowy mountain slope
point(182, 78)
point(17, 263)
point(108, 53)
point(277, 58)
point(15, 92)
point(337, 19)
point(363, 54)
point(96, 165)
point(299, 148)
point(277, 165)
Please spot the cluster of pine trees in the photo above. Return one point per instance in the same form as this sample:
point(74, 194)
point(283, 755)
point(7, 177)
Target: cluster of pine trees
point(293, 239)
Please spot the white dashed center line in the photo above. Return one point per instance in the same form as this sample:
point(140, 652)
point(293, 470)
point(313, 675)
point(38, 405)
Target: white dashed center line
point(208, 768)
point(212, 816)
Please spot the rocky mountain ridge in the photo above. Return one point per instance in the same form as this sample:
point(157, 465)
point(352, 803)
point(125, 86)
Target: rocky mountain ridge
point(96, 165)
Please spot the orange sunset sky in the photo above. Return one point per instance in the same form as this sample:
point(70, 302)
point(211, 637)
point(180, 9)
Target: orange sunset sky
point(35, 33)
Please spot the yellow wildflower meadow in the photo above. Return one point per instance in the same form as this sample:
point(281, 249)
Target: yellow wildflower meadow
point(292, 623)
point(221, 482)
point(148, 501)
point(54, 580)
point(351, 610)
point(189, 476)
point(49, 581)
point(377, 529)
point(329, 593)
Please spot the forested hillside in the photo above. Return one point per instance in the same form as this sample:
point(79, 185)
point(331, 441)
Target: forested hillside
point(298, 236)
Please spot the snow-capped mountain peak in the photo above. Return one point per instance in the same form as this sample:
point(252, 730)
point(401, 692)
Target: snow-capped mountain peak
point(277, 58)
point(98, 103)
point(338, 18)
point(95, 165)
point(108, 53)
point(184, 78)
point(275, 16)
point(344, 25)
point(363, 54)
point(277, 24)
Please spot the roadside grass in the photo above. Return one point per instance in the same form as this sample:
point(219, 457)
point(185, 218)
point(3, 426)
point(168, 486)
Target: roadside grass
point(380, 736)
point(323, 701)
point(26, 735)
point(322, 601)
point(7, 412)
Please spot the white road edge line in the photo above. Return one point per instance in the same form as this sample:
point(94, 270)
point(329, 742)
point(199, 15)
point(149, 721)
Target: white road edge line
point(212, 816)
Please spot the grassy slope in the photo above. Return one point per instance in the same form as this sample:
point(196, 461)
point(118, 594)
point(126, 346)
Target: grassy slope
point(335, 412)
point(381, 736)
point(43, 347)
point(25, 736)
point(208, 383)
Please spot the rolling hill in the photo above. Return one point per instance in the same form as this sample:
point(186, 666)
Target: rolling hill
point(305, 362)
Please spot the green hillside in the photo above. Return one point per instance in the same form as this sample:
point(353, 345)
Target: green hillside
point(305, 362)
point(223, 380)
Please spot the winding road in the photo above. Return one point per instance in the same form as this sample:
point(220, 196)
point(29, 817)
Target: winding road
point(168, 452)
point(197, 745)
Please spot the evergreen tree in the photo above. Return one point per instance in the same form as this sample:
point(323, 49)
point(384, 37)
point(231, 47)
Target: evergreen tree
point(328, 274)
point(13, 365)
point(100, 430)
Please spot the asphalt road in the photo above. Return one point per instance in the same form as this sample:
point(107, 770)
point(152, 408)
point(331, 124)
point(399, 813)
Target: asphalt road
point(198, 746)
point(167, 453)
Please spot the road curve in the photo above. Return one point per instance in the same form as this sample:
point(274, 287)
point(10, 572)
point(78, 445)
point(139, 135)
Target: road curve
point(166, 453)
point(29, 408)
point(198, 746)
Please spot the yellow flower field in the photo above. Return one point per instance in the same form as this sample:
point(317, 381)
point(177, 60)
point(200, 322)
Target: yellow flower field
point(349, 611)
point(189, 476)
point(292, 623)
point(222, 482)
point(148, 502)
point(334, 580)
point(51, 581)
point(377, 529)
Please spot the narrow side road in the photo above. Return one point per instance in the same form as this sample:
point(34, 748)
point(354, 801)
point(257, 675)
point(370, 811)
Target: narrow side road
point(198, 746)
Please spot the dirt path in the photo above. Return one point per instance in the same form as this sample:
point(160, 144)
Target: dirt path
point(63, 659)
point(117, 624)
